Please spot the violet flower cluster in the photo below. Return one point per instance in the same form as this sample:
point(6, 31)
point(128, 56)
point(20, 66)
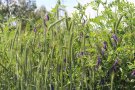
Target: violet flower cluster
point(115, 38)
point(113, 68)
point(47, 17)
point(104, 48)
point(98, 62)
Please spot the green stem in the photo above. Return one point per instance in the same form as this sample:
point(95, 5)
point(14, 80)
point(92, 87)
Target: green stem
point(112, 78)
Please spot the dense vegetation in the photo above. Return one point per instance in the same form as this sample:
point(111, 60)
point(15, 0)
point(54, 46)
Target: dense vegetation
point(41, 51)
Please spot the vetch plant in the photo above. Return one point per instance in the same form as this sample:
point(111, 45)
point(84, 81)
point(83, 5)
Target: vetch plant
point(45, 53)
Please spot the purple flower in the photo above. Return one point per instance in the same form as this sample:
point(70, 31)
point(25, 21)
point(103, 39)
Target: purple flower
point(102, 81)
point(113, 68)
point(52, 87)
point(115, 37)
point(35, 30)
point(47, 17)
point(65, 60)
point(98, 61)
point(105, 45)
point(81, 53)
point(133, 73)
point(114, 65)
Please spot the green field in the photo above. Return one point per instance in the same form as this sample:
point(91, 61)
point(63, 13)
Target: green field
point(43, 51)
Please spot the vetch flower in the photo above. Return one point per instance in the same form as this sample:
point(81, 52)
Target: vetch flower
point(133, 73)
point(105, 45)
point(98, 62)
point(113, 68)
point(81, 53)
point(52, 87)
point(102, 81)
point(115, 37)
point(65, 60)
point(114, 65)
point(47, 17)
point(35, 30)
